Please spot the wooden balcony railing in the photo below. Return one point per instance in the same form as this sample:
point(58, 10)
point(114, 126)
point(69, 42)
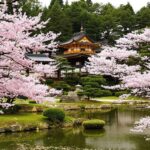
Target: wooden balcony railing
point(79, 52)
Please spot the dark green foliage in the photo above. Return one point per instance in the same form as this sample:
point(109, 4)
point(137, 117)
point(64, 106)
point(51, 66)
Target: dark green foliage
point(31, 7)
point(11, 110)
point(96, 92)
point(61, 85)
point(58, 1)
point(32, 102)
point(92, 87)
point(96, 18)
point(49, 81)
point(133, 60)
point(54, 114)
point(143, 17)
point(82, 107)
point(59, 21)
point(119, 93)
point(90, 79)
point(72, 80)
point(93, 124)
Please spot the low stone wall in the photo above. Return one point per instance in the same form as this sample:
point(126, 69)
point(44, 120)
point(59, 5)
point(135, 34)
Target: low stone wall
point(29, 127)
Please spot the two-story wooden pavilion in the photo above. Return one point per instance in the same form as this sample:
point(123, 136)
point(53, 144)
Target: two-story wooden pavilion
point(78, 49)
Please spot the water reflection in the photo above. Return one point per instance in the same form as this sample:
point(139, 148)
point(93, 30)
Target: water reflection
point(115, 136)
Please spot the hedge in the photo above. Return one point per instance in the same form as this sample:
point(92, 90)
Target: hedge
point(93, 124)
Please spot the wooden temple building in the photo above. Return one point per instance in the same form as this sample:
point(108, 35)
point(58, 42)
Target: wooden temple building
point(78, 49)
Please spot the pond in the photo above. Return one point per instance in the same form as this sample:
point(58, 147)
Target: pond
point(115, 136)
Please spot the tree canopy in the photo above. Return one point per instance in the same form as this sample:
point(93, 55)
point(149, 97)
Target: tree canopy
point(102, 22)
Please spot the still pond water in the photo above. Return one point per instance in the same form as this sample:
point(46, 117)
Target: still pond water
point(115, 136)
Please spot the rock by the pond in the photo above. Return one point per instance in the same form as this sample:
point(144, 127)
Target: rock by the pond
point(106, 106)
point(2, 130)
point(71, 97)
point(78, 121)
point(15, 128)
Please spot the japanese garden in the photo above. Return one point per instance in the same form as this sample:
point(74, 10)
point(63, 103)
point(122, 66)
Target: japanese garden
point(74, 75)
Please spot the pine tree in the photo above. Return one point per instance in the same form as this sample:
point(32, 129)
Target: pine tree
point(143, 17)
point(53, 2)
point(30, 7)
point(59, 22)
point(89, 2)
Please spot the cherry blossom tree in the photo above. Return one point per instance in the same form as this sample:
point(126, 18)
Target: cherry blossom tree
point(17, 39)
point(113, 61)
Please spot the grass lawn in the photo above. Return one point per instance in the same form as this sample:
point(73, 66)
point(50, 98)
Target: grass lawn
point(113, 98)
point(27, 118)
point(107, 98)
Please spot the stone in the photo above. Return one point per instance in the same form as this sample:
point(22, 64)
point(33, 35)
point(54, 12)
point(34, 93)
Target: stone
point(71, 97)
point(105, 106)
point(78, 122)
point(15, 128)
point(2, 130)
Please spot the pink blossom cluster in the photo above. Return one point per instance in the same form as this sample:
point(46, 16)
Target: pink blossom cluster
point(107, 65)
point(133, 40)
point(6, 105)
point(16, 40)
point(113, 61)
point(141, 125)
point(54, 92)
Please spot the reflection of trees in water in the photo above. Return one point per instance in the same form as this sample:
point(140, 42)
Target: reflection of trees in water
point(93, 133)
point(117, 134)
point(54, 138)
point(107, 115)
point(140, 142)
point(37, 147)
point(65, 137)
point(11, 140)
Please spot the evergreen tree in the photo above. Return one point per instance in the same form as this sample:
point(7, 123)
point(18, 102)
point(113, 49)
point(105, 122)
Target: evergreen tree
point(59, 22)
point(53, 2)
point(143, 17)
point(89, 2)
point(107, 23)
point(31, 7)
point(126, 18)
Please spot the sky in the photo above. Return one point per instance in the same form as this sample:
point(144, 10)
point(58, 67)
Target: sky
point(136, 4)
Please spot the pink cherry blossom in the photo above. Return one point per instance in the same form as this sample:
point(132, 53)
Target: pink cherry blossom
point(16, 40)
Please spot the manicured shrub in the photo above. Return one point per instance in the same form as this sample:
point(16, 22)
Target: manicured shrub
point(96, 92)
point(72, 80)
point(121, 93)
point(54, 114)
point(93, 124)
point(49, 81)
point(32, 102)
point(98, 79)
point(93, 84)
point(12, 110)
point(105, 92)
point(61, 85)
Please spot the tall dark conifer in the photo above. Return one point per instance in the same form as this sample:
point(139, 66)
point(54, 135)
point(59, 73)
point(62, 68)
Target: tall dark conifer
point(53, 2)
point(59, 21)
point(89, 2)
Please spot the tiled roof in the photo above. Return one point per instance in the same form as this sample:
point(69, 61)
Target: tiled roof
point(76, 37)
point(39, 57)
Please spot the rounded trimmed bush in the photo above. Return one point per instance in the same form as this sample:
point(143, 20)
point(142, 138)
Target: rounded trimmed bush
point(32, 102)
point(93, 124)
point(54, 114)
